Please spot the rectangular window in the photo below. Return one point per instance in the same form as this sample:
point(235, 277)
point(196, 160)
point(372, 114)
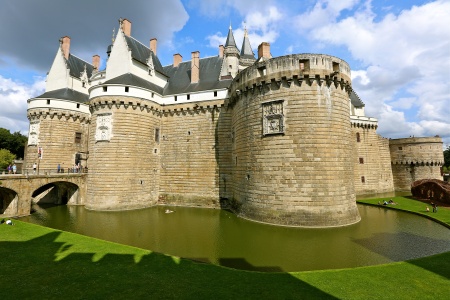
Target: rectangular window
point(188, 96)
point(400, 148)
point(358, 137)
point(157, 134)
point(77, 137)
point(215, 93)
point(127, 89)
point(78, 105)
point(363, 179)
point(48, 101)
point(105, 88)
point(361, 160)
point(176, 98)
point(153, 95)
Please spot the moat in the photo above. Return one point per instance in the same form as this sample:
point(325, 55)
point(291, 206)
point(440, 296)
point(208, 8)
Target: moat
point(220, 237)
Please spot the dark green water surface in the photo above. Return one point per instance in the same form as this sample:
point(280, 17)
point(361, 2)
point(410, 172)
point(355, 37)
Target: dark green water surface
point(220, 237)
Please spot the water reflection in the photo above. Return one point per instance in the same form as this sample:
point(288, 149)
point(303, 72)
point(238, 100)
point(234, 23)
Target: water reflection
point(219, 237)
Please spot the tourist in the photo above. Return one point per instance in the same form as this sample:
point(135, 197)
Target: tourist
point(58, 168)
point(428, 210)
point(9, 222)
point(14, 168)
point(385, 202)
point(9, 169)
point(433, 206)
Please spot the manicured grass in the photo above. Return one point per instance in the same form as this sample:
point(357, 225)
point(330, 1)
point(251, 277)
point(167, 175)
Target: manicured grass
point(42, 263)
point(414, 206)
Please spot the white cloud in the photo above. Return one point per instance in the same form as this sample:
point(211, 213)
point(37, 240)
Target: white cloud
point(405, 59)
point(13, 101)
point(262, 26)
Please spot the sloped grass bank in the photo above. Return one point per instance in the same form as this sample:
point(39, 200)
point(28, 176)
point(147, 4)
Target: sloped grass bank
point(41, 263)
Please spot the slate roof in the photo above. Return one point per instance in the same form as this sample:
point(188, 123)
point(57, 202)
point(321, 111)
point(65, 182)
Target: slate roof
point(133, 80)
point(76, 66)
point(356, 101)
point(180, 77)
point(141, 53)
point(230, 39)
point(65, 94)
point(246, 50)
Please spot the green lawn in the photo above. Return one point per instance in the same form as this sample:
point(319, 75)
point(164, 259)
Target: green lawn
point(42, 263)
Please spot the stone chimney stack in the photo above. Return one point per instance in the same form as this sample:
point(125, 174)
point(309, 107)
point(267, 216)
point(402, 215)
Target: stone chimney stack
point(195, 67)
point(264, 50)
point(177, 59)
point(153, 43)
point(220, 51)
point(65, 46)
point(126, 27)
point(96, 61)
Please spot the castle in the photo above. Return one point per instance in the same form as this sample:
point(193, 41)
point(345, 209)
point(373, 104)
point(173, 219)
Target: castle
point(282, 140)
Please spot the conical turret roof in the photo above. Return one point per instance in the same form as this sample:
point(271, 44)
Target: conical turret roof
point(246, 50)
point(230, 39)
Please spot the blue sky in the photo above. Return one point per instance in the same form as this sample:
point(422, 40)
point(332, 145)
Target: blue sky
point(399, 51)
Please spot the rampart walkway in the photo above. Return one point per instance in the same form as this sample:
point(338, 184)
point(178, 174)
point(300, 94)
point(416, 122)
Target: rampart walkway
point(17, 191)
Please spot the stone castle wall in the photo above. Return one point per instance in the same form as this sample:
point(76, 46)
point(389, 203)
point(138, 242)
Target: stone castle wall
point(189, 154)
point(291, 142)
point(371, 159)
point(415, 159)
point(57, 136)
point(124, 157)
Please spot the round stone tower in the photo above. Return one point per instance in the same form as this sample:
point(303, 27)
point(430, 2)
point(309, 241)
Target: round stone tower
point(123, 148)
point(415, 158)
point(58, 131)
point(292, 143)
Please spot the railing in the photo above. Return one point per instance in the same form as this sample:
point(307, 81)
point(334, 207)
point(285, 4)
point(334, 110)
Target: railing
point(41, 171)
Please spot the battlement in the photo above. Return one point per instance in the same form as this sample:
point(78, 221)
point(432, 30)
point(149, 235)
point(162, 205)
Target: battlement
point(417, 151)
point(293, 69)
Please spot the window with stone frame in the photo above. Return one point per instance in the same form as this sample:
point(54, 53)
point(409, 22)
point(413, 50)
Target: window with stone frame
point(104, 126)
point(273, 117)
point(77, 137)
point(157, 134)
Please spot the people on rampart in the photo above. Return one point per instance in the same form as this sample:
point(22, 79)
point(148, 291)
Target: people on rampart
point(9, 169)
point(14, 169)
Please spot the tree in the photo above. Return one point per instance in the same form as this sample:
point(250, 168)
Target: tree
point(6, 158)
point(14, 142)
point(447, 157)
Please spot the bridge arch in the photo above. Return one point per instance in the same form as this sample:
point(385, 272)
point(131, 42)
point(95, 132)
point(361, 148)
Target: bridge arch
point(8, 201)
point(57, 192)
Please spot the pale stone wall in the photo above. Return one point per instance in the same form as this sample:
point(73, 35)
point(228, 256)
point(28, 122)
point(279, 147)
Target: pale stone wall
point(415, 159)
point(304, 176)
point(124, 167)
point(371, 158)
point(189, 159)
point(57, 137)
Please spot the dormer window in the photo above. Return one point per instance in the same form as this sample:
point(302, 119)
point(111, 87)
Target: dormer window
point(105, 88)
point(127, 89)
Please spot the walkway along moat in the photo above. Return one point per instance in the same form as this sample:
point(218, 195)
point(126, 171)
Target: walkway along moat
point(220, 237)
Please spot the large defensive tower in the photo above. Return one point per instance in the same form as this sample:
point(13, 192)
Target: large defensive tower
point(291, 141)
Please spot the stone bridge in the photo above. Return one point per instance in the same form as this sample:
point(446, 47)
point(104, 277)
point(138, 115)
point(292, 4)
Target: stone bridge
point(18, 192)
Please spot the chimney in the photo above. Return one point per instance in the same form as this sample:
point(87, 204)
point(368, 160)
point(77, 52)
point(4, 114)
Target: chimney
point(126, 27)
point(96, 61)
point(195, 67)
point(177, 59)
point(65, 46)
point(220, 51)
point(264, 50)
point(153, 43)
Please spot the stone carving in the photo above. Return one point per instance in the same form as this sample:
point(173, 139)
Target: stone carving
point(103, 132)
point(34, 133)
point(273, 119)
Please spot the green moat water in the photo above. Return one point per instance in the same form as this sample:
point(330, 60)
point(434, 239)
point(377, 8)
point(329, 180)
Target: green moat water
point(220, 237)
